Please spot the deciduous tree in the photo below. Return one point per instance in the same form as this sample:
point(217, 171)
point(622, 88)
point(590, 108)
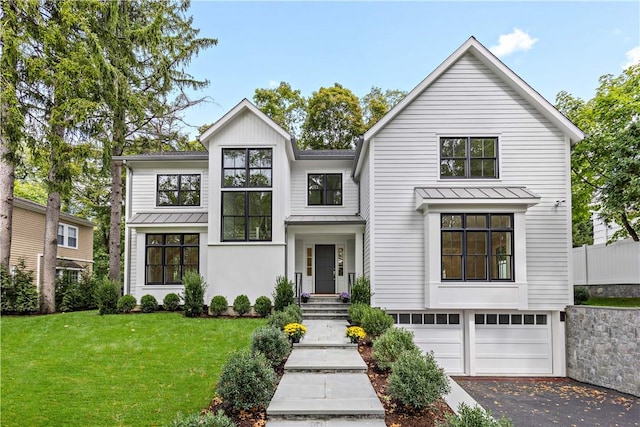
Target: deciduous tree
point(284, 105)
point(377, 103)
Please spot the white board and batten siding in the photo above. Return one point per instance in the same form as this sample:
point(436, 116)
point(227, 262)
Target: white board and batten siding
point(365, 212)
point(467, 100)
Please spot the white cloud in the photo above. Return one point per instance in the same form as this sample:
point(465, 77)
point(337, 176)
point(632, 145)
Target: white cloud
point(515, 41)
point(633, 57)
point(273, 84)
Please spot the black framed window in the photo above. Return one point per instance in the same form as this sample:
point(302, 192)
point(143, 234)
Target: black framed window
point(169, 256)
point(246, 215)
point(469, 157)
point(477, 247)
point(324, 189)
point(178, 190)
point(246, 167)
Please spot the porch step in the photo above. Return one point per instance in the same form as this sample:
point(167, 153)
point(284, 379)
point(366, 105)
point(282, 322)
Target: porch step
point(320, 307)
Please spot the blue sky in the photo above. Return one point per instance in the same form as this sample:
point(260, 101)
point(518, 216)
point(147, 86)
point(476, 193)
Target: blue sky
point(553, 46)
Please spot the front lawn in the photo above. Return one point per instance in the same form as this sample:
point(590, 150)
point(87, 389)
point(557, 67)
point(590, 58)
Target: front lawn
point(80, 369)
point(613, 302)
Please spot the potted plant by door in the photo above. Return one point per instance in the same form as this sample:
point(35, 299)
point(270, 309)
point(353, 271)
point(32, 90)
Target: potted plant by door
point(345, 297)
point(305, 296)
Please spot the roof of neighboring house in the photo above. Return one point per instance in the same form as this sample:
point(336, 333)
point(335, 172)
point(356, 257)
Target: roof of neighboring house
point(521, 87)
point(475, 193)
point(169, 218)
point(324, 219)
point(164, 155)
point(37, 207)
point(325, 154)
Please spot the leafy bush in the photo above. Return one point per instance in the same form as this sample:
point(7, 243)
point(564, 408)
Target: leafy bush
point(416, 380)
point(278, 319)
point(126, 303)
point(375, 321)
point(18, 294)
point(107, 296)
point(580, 295)
point(361, 291)
point(357, 312)
point(199, 420)
point(390, 345)
point(247, 381)
point(262, 306)
point(219, 305)
point(72, 295)
point(148, 303)
point(282, 294)
point(194, 289)
point(272, 343)
point(241, 305)
point(475, 417)
point(171, 302)
point(295, 313)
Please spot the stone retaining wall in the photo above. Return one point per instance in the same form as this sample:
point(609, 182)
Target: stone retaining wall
point(603, 347)
point(614, 291)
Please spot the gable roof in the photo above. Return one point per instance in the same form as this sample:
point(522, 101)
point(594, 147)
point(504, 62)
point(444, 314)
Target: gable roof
point(29, 205)
point(494, 64)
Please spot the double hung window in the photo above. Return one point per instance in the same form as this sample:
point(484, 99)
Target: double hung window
point(67, 236)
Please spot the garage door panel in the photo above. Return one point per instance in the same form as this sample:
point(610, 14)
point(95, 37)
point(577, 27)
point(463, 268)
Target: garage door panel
point(445, 342)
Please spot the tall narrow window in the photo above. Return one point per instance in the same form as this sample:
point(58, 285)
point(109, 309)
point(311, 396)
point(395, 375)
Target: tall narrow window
point(309, 261)
point(67, 236)
point(468, 157)
point(178, 190)
point(477, 247)
point(324, 189)
point(169, 256)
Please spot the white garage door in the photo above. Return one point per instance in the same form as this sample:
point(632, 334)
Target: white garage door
point(440, 333)
point(513, 343)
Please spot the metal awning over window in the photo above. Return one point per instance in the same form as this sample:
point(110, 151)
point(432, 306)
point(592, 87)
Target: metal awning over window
point(169, 218)
point(426, 196)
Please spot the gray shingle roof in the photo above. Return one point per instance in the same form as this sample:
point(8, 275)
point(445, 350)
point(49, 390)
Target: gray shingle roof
point(169, 218)
point(325, 154)
point(324, 219)
point(475, 193)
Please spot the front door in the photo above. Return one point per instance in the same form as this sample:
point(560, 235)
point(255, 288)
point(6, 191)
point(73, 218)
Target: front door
point(325, 269)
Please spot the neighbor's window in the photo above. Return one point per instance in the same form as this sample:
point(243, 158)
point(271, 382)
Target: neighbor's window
point(67, 236)
point(178, 190)
point(477, 247)
point(324, 189)
point(246, 167)
point(246, 215)
point(169, 256)
point(468, 157)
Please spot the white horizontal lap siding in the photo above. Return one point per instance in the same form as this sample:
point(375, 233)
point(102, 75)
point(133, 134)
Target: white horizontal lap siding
point(302, 168)
point(134, 264)
point(365, 188)
point(469, 100)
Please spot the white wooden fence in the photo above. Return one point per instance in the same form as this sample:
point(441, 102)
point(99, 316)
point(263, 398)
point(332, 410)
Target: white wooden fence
point(614, 264)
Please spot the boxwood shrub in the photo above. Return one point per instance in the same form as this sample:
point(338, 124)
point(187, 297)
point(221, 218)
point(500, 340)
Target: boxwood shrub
point(416, 380)
point(218, 305)
point(148, 303)
point(247, 381)
point(272, 343)
point(171, 302)
point(241, 305)
point(390, 345)
point(262, 306)
point(375, 321)
point(126, 303)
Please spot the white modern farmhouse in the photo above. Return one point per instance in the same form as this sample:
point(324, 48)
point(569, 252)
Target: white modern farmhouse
point(456, 204)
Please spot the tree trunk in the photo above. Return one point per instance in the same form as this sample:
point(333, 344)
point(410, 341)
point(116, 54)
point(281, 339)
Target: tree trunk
point(7, 175)
point(115, 199)
point(48, 286)
point(627, 225)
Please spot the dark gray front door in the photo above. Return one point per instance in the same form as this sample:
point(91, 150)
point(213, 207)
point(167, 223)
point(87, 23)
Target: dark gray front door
point(325, 269)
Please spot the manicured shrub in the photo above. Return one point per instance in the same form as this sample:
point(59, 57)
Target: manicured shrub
point(171, 302)
point(361, 291)
point(278, 319)
point(247, 381)
point(218, 305)
point(107, 296)
point(126, 303)
point(375, 321)
point(357, 312)
point(580, 295)
point(390, 345)
point(475, 417)
point(282, 294)
point(294, 312)
point(198, 420)
point(262, 306)
point(18, 294)
point(272, 343)
point(241, 305)
point(148, 303)
point(416, 380)
point(194, 289)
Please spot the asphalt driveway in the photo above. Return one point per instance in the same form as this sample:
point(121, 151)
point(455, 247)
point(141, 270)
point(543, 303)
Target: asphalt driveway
point(544, 402)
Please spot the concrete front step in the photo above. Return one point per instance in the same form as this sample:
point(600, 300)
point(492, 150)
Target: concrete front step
point(332, 422)
point(325, 360)
point(324, 395)
point(326, 316)
point(310, 306)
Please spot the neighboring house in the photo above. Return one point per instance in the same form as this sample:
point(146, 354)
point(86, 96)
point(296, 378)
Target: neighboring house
point(453, 205)
point(75, 240)
point(603, 232)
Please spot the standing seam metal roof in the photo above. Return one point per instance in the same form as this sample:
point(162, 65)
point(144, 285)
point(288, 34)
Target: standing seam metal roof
point(475, 193)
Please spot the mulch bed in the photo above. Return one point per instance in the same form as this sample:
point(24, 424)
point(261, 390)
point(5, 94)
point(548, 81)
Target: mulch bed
point(395, 414)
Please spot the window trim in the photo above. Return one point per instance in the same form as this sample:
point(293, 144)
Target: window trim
point(324, 188)
point(179, 189)
point(247, 167)
point(247, 216)
point(163, 246)
point(488, 230)
point(467, 157)
point(65, 235)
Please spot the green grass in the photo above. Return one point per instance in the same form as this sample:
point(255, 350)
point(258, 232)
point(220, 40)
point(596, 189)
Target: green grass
point(82, 369)
point(613, 302)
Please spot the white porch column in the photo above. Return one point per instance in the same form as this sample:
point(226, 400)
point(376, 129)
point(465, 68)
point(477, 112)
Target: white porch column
point(291, 256)
point(359, 253)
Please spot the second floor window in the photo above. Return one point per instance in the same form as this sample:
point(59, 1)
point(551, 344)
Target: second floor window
point(468, 157)
point(178, 190)
point(246, 167)
point(324, 189)
point(67, 236)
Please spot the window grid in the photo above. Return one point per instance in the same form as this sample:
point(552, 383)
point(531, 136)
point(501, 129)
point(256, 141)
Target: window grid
point(246, 216)
point(247, 167)
point(510, 319)
point(169, 256)
point(324, 189)
point(468, 157)
point(477, 247)
point(178, 190)
point(426, 318)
